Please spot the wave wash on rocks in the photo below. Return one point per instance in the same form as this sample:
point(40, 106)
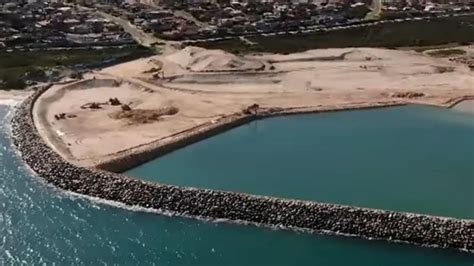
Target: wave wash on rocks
point(309, 216)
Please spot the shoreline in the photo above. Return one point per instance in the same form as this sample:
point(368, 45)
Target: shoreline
point(13, 97)
point(422, 230)
point(9, 102)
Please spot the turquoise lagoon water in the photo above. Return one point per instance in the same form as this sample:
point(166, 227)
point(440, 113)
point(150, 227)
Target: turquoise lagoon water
point(40, 225)
point(409, 158)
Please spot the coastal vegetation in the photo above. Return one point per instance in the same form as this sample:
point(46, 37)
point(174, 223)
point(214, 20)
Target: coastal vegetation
point(435, 31)
point(19, 69)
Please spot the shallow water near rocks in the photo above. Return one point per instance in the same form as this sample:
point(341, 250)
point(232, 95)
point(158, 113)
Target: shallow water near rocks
point(39, 224)
point(408, 158)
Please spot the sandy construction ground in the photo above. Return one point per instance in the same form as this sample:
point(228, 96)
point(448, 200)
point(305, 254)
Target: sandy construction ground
point(201, 86)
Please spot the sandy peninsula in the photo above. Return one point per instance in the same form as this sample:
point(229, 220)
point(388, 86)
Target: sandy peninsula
point(145, 103)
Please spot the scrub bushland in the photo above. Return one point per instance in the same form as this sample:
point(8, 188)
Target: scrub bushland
point(435, 31)
point(17, 68)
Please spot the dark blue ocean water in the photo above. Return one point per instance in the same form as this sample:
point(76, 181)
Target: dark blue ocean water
point(39, 224)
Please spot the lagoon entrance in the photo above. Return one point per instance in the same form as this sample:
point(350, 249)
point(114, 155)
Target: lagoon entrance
point(410, 158)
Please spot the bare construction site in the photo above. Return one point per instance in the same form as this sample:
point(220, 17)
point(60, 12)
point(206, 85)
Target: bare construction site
point(147, 103)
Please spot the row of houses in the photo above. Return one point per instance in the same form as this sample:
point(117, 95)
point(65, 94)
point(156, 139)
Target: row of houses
point(234, 17)
point(265, 17)
point(46, 25)
point(63, 24)
point(222, 19)
point(161, 21)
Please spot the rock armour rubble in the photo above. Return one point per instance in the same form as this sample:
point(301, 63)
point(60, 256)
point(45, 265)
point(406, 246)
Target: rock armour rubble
point(311, 216)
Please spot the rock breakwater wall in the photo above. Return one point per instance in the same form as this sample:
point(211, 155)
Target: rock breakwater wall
point(294, 214)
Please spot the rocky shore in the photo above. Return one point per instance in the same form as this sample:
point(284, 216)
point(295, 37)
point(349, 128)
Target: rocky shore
point(299, 215)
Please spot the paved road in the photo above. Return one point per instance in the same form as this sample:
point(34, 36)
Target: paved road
point(140, 36)
point(143, 38)
point(376, 10)
point(187, 16)
point(377, 7)
point(180, 14)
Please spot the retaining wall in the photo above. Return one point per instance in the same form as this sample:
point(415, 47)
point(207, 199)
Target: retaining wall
point(302, 215)
point(136, 156)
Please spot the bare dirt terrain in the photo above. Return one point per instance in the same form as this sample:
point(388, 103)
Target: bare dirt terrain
point(176, 93)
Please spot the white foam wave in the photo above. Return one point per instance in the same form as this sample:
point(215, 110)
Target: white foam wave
point(135, 208)
point(9, 102)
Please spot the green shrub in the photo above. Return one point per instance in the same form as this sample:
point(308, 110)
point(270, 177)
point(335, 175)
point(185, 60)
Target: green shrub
point(17, 67)
point(446, 52)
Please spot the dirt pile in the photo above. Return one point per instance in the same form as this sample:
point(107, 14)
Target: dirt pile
point(144, 116)
point(202, 60)
point(408, 94)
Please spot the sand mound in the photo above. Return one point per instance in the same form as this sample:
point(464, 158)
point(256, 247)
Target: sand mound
point(144, 116)
point(202, 60)
point(360, 55)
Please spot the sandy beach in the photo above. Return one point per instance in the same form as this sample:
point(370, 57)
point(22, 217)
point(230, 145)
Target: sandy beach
point(193, 89)
point(13, 97)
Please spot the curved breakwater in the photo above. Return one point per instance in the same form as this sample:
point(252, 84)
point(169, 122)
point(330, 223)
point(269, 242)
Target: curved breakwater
point(300, 215)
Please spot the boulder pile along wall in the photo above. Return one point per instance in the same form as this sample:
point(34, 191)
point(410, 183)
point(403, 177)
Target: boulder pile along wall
point(310, 216)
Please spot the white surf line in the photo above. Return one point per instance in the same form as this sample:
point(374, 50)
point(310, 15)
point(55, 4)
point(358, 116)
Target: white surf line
point(9, 102)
